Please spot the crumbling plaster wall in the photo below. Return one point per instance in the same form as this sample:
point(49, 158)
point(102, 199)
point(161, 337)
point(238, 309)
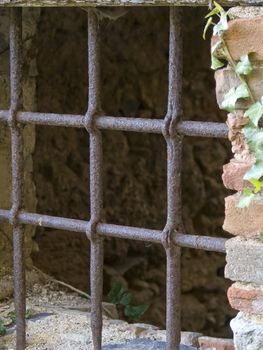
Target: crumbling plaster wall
point(134, 77)
point(30, 18)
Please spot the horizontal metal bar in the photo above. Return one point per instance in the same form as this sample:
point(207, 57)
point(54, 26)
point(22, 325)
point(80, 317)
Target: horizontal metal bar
point(128, 232)
point(203, 129)
point(52, 119)
point(213, 244)
point(188, 128)
point(131, 124)
point(118, 231)
point(109, 3)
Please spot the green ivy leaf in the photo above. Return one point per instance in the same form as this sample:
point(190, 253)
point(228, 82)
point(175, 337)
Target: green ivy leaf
point(2, 328)
point(216, 10)
point(261, 237)
point(135, 312)
point(233, 95)
point(244, 66)
point(257, 184)
point(126, 298)
point(254, 113)
point(222, 25)
point(254, 137)
point(208, 24)
point(216, 63)
point(246, 198)
point(116, 293)
point(256, 172)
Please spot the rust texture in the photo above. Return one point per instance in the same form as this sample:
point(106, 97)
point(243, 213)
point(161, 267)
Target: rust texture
point(17, 172)
point(173, 128)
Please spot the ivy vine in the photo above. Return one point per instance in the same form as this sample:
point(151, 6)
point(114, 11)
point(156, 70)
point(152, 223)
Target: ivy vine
point(220, 57)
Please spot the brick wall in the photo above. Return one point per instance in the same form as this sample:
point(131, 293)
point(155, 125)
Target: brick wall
point(245, 251)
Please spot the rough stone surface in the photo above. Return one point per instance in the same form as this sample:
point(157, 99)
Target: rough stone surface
point(235, 122)
point(248, 334)
point(233, 174)
point(143, 344)
point(245, 12)
point(134, 77)
point(30, 18)
point(247, 222)
point(226, 79)
point(244, 260)
point(74, 3)
point(207, 343)
point(246, 297)
point(190, 338)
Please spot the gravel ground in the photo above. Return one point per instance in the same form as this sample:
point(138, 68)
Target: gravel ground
point(61, 320)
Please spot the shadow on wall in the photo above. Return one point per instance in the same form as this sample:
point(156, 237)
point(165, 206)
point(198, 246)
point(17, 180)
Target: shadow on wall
point(134, 77)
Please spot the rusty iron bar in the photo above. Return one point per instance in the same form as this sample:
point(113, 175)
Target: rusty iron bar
point(145, 125)
point(15, 38)
point(174, 168)
point(173, 128)
point(96, 183)
point(213, 244)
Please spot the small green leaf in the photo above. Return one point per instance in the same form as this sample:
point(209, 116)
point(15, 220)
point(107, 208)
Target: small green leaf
point(2, 328)
point(254, 137)
point(261, 237)
point(29, 314)
point(12, 316)
point(256, 172)
point(126, 299)
point(257, 184)
point(233, 95)
point(218, 9)
point(254, 113)
point(116, 293)
point(216, 63)
point(216, 45)
point(208, 24)
point(246, 198)
point(135, 312)
point(244, 66)
point(222, 25)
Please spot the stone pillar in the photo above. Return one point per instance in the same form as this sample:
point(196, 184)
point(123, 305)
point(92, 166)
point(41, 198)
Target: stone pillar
point(30, 17)
point(245, 251)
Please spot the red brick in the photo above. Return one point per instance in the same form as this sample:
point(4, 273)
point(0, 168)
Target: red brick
point(246, 222)
point(216, 343)
point(243, 36)
point(233, 174)
point(246, 298)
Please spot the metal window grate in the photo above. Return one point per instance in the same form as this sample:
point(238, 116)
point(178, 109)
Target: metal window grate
point(173, 129)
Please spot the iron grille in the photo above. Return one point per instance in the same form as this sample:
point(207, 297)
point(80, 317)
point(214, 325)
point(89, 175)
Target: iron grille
point(173, 128)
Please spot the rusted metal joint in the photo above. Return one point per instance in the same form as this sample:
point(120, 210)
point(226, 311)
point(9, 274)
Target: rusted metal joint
point(12, 118)
point(91, 231)
point(89, 120)
point(170, 125)
point(167, 237)
point(13, 215)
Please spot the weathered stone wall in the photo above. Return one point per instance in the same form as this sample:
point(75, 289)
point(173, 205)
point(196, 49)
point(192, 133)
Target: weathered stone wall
point(29, 99)
point(134, 52)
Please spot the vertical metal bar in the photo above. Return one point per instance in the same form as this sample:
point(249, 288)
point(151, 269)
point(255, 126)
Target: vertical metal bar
point(96, 186)
point(17, 172)
point(174, 164)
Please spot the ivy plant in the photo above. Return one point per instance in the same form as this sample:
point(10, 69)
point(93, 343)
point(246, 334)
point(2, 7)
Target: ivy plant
point(220, 57)
point(122, 298)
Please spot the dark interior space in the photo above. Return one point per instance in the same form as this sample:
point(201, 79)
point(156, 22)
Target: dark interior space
point(134, 84)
